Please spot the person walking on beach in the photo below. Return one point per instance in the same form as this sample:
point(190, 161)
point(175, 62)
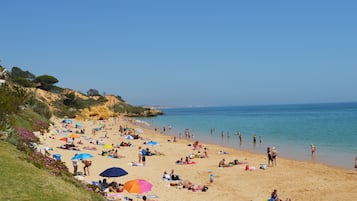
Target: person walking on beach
point(143, 156)
point(356, 163)
point(211, 177)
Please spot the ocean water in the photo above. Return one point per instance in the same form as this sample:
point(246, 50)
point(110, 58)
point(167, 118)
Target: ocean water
point(332, 127)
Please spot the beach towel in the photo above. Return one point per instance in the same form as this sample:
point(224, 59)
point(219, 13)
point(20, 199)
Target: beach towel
point(135, 164)
point(114, 196)
point(119, 157)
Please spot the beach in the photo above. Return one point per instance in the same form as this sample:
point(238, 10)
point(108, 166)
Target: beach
point(297, 180)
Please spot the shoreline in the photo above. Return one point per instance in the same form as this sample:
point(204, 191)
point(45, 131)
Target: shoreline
point(323, 156)
point(297, 180)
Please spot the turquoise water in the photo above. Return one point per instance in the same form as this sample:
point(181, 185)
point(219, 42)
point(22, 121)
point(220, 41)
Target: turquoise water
point(331, 127)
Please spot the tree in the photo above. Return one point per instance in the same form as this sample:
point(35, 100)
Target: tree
point(45, 82)
point(17, 72)
point(93, 92)
point(10, 100)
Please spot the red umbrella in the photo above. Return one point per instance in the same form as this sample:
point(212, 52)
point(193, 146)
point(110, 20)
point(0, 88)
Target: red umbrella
point(64, 139)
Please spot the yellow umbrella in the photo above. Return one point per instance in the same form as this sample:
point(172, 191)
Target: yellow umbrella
point(108, 146)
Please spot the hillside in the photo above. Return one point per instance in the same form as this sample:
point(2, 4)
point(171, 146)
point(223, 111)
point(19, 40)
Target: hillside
point(25, 108)
point(22, 180)
point(97, 107)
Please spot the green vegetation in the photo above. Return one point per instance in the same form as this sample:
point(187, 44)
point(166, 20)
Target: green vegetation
point(22, 180)
point(134, 111)
point(28, 174)
point(93, 92)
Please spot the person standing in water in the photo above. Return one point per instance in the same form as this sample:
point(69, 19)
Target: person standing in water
point(313, 149)
point(240, 138)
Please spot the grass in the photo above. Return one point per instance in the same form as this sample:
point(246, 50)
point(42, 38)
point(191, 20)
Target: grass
point(22, 181)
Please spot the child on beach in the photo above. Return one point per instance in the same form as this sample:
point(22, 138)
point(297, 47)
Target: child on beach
point(75, 166)
point(274, 196)
point(211, 177)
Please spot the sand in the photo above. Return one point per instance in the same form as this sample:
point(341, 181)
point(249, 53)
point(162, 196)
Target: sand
point(293, 179)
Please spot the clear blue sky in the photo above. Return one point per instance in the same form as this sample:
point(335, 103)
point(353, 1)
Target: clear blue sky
point(188, 53)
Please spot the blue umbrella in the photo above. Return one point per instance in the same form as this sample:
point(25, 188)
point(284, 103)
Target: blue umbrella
point(152, 143)
point(82, 156)
point(113, 172)
point(129, 137)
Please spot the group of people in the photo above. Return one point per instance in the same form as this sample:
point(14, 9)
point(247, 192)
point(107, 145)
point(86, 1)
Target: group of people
point(106, 187)
point(186, 184)
point(86, 165)
point(184, 162)
point(222, 163)
point(111, 153)
point(272, 154)
point(172, 176)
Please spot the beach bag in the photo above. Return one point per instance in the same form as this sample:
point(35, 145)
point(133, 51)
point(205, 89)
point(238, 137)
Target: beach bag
point(263, 166)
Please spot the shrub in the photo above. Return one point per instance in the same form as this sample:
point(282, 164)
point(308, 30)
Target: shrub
point(25, 138)
point(55, 167)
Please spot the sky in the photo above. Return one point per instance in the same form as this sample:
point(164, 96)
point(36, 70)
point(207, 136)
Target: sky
point(188, 52)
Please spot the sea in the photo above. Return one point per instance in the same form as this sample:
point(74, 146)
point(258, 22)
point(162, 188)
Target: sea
point(292, 128)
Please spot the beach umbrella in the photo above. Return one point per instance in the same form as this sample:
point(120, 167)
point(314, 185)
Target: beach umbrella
point(82, 156)
point(64, 139)
point(152, 143)
point(137, 186)
point(129, 137)
point(113, 172)
point(78, 125)
point(108, 146)
point(73, 135)
point(67, 121)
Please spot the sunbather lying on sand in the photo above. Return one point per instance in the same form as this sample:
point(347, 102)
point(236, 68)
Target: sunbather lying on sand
point(186, 184)
point(69, 147)
point(222, 163)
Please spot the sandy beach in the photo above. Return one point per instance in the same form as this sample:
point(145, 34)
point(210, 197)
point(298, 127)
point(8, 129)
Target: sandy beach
point(293, 179)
